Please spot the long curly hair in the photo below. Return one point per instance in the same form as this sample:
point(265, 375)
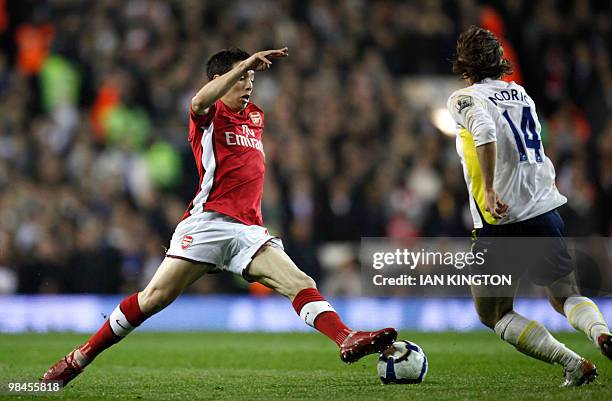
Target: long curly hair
point(479, 55)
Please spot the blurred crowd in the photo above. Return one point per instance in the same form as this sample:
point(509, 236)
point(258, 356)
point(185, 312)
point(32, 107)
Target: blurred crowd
point(96, 170)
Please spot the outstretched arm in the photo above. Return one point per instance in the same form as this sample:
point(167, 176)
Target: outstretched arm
point(218, 86)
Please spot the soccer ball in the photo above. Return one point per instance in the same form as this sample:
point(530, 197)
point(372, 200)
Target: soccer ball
point(403, 362)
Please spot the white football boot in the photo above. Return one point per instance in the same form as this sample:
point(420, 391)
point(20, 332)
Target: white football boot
point(584, 372)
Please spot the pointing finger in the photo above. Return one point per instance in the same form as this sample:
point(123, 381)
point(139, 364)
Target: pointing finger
point(278, 53)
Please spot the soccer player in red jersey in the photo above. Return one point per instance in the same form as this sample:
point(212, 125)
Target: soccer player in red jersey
point(222, 228)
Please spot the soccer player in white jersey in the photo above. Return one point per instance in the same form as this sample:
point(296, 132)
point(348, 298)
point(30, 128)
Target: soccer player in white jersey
point(222, 228)
point(512, 191)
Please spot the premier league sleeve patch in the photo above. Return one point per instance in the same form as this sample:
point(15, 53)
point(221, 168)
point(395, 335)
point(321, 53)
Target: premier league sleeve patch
point(464, 102)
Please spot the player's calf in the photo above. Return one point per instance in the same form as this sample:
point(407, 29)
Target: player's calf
point(316, 312)
point(170, 279)
point(489, 320)
point(153, 299)
point(320, 314)
point(273, 268)
point(583, 315)
point(532, 339)
point(125, 318)
point(299, 284)
point(491, 310)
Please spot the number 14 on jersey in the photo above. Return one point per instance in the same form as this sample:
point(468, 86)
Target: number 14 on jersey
point(530, 138)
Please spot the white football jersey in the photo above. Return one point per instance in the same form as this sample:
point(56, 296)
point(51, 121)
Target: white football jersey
point(494, 110)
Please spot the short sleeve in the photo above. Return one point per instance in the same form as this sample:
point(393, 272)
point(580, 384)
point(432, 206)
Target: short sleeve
point(469, 112)
point(203, 119)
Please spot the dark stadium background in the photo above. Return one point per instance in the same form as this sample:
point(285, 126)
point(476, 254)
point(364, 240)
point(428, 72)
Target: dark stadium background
point(95, 168)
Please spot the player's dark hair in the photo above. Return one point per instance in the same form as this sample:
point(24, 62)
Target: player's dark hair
point(480, 55)
point(222, 61)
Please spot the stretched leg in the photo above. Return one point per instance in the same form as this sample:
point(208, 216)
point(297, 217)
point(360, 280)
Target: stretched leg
point(529, 336)
point(273, 268)
point(171, 278)
point(581, 312)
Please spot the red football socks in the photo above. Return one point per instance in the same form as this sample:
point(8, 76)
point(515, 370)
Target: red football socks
point(317, 312)
point(124, 319)
point(308, 303)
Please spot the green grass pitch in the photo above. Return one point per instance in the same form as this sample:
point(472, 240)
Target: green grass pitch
point(257, 366)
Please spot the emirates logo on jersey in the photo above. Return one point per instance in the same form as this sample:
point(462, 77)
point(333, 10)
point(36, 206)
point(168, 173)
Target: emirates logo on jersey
point(247, 131)
point(187, 240)
point(255, 118)
point(247, 138)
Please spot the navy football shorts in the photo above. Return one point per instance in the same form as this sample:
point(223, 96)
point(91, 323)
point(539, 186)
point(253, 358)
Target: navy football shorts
point(536, 247)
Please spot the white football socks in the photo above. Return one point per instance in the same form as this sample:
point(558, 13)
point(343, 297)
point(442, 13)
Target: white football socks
point(583, 315)
point(531, 338)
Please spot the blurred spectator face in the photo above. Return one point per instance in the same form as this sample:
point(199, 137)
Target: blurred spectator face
point(239, 95)
point(301, 230)
point(88, 235)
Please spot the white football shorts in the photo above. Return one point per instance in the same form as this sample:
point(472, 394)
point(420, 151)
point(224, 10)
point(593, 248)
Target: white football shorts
point(220, 240)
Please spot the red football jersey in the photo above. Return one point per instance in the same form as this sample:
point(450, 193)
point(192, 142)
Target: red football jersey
point(228, 150)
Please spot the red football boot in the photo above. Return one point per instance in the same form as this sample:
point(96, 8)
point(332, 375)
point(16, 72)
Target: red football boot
point(605, 344)
point(64, 370)
point(361, 343)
